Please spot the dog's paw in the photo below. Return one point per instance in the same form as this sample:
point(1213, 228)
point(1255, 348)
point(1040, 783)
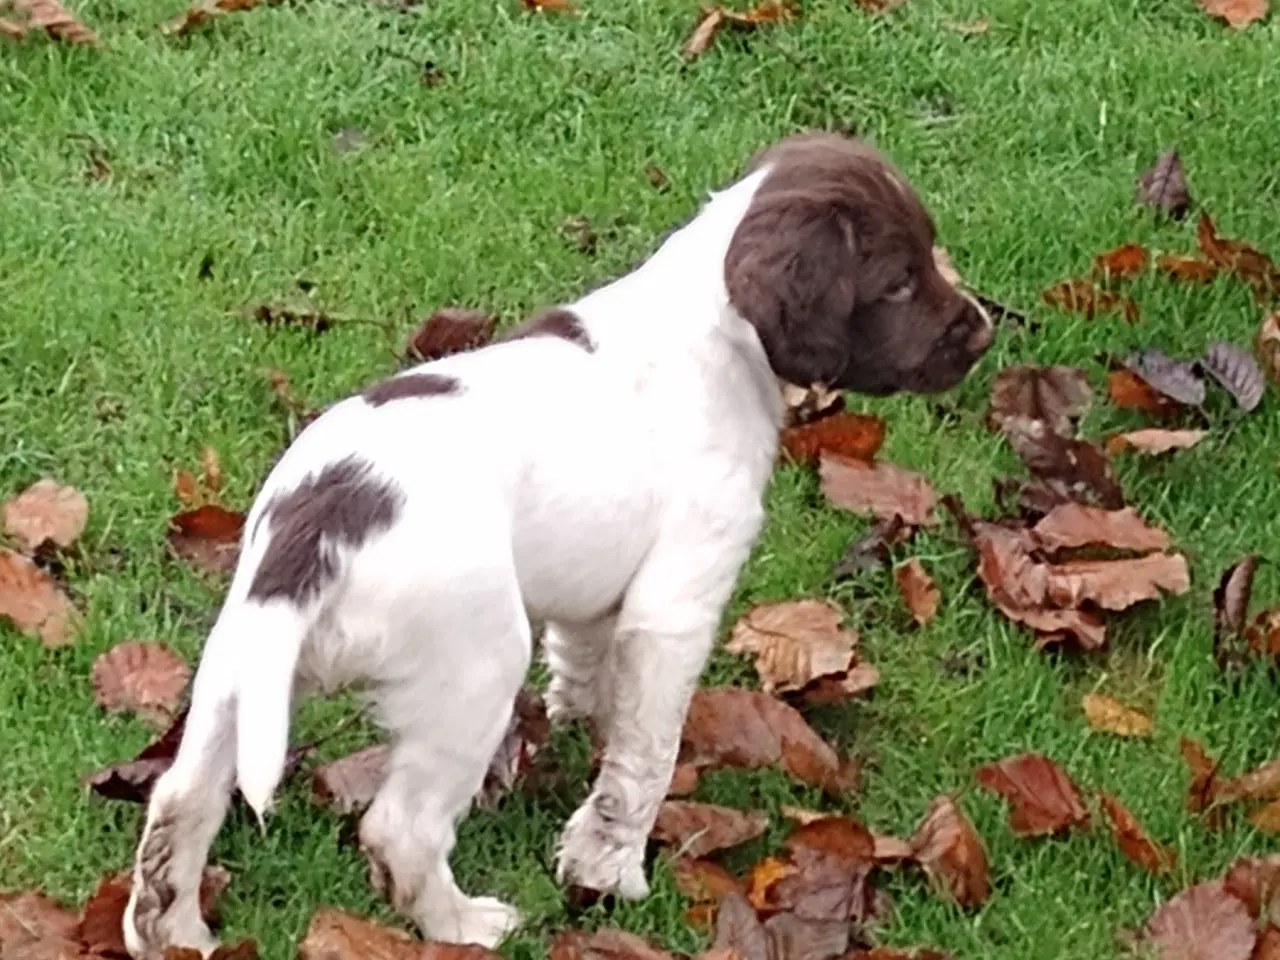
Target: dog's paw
point(568, 700)
point(479, 920)
point(166, 932)
point(594, 856)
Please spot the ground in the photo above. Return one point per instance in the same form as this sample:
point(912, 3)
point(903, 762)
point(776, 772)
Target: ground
point(121, 357)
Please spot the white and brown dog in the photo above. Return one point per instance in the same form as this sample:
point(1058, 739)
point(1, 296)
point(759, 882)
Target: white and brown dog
point(599, 471)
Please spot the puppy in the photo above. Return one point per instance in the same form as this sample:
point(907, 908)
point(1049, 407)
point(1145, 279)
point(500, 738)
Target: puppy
point(598, 471)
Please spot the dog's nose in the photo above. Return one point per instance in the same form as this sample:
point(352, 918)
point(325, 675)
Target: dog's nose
point(983, 333)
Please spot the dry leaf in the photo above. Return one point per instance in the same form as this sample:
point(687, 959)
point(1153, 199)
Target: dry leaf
point(338, 935)
point(1231, 596)
point(1238, 373)
point(765, 11)
point(1255, 881)
point(1187, 269)
point(1042, 798)
point(36, 927)
point(684, 780)
point(1057, 395)
point(1154, 440)
point(33, 602)
point(828, 865)
point(703, 881)
point(1077, 469)
point(1248, 263)
point(1109, 715)
point(918, 590)
point(132, 780)
point(46, 510)
point(871, 550)
point(1263, 633)
point(1203, 922)
point(848, 434)
point(1266, 343)
point(1237, 13)
point(884, 490)
point(711, 19)
point(1080, 525)
point(1117, 584)
point(207, 537)
point(1176, 379)
point(1204, 775)
point(52, 17)
point(1163, 185)
point(1267, 819)
point(794, 643)
point(1132, 838)
point(147, 678)
point(698, 829)
point(1130, 392)
point(349, 784)
point(1082, 295)
point(450, 330)
point(739, 930)
point(1126, 260)
point(1260, 783)
point(729, 726)
point(197, 15)
point(951, 852)
point(527, 732)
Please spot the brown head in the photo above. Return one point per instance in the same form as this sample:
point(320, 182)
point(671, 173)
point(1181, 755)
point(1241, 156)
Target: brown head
point(833, 265)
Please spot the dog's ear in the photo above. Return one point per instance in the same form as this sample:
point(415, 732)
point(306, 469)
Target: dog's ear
point(790, 273)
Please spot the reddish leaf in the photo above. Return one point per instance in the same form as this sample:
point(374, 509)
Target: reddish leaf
point(1256, 882)
point(1079, 525)
point(1130, 392)
point(1081, 295)
point(147, 678)
point(1133, 840)
point(1154, 440)
point(848, 434)
point(764, 12)
point(1117, 584)
point(527, 732)
point(1203, 922)
point(1126, 260)
point(1109, 715)
point(1248, 263)
point(698, 829)
point(1057, 395)
point(37, 927)
point(1187, 269)
point(883, 490)
point(450, 330)
point(1237, 13)
point(1263, 633)
point(46, 510)
point(207, 537)
point(1267, 819)
point(33, 602)
point(338, 935)
point(703, 880)
point(1268, 946)
point(919, 592)
point(53, 18)
point(684, 780)
point(1041, 796)
point(951, 852)
point(349, 784)
point(795, 643)
point(1260, 783)
point(1076, 467)
point(132, 780)
point(1163, 185)
point(740, 931)
point(828, 864)
point(1204, 775)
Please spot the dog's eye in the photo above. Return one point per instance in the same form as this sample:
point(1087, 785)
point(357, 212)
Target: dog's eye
point(904, 289)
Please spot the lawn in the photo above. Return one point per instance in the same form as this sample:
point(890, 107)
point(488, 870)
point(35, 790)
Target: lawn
point(123, 353)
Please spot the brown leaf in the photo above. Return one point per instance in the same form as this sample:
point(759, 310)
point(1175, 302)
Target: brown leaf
point(197, 15)
point(208, 537)
point(1130, 392)
point(1164, 185)
point(1204, 775)
point(1057, 395)
point(1081, 295)
point(1042, 798)
point(871, 550)
point(919, 592)
point(1117, 584)
point(55, 19)
point(794, 643)
point(1126, 260)
point(1237, 371)
point(1255, 881)
point(710, 20)
point(527, 732)
point(1187, 269)
point(36, 927)
point(1079, 525)
point(100, 928)
point(1231, 596)
point(848, 434)
point(1109, 715)
point(1263, 633)
point(604, 944)
point(951, 852)
point(793, 936)
point(1154, 440)
point(1268, 946)
point(729, 726)
point(884, 490)
point(1267, 818)
point(698, 829)
point(210, 470)
point(764, 12)
point(186, 488)
point(450, 330)
point(337, 935)
point(1176, 379)
point(1237, 13)
point(15, 31)
point(1260, 783)
point(684, 780)
point(1132, 838)
point(33, 602)
point(1076, 466)
point(46, 510)
point(703, 880)
point(1203, 922)
point(133, 779)
point(349, 784)
point(739, 929)
point(147, 678)
point(554, 6)
point(828, 864)
point(1248, 263)
point(1266, 343)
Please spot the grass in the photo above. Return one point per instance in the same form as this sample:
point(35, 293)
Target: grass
point(118, 362)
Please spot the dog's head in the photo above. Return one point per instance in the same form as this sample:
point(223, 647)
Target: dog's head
point(833, 265)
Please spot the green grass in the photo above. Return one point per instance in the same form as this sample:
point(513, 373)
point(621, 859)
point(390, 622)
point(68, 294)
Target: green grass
point(118, 362)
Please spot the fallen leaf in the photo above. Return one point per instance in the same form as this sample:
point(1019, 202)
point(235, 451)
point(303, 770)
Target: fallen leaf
point(710, 20)
point(338, 935)
point(1109, 715)
point(31, 600)
point(14, 31)
point(1249, 264)
point(46, 510)
point(729, 726)
point(1126, 260)
point(36, 927)
point(100, 929)
point(1231, 596)
point(967, 28)
point(848, 434)
point(1082, 295)
point(1154, 440)
point(132, 780)
point(871, 550)
point(1204, 775)
point(293, 406)
point(796, 937)
point(53, 18)
point(199, 14)
point(1132, 838)
point(684, 780)
point(829, 862)
point(1266, 343)
point(1203, 922)
point(1260, 783)
point(1130, 392)
point(884, 489)
point(1255, 881)
point(1263, 633)
point(1117, 584)
point(765, 11)
point(147, 678)
point(1268, 946)
point(349, 784)
point(1237, 13)
point(1238, 373)
point(1077, 468)
point(526, 734)
point(1057, 395)
point(208, 537)
point(450, 330)
point(739, 930)
point(951, 852)
point(1176, 379)
point(1164, 185)
point(794, 643)
point(1187, 269)
point(1080, 525)
point(1042, 798)
point(1267, 818)
point(703, 880)
point(838, 688)
point(919, 592)
point(698, 829)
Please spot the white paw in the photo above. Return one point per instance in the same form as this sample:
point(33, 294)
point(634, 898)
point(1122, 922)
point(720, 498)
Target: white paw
point(593, 856)
point(568, 701)
point(479, 920)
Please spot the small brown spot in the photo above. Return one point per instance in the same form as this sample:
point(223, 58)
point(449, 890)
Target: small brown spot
point(556, 322)
point(410, 385)
point(341, 505)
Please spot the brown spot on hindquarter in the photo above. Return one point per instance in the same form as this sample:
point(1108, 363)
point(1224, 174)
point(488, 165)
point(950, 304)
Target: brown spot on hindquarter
point(342, 505)
point(408, 386)
point(557, 322)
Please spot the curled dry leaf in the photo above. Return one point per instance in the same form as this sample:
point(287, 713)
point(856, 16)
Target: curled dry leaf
point(710, 20)
point(1255, 881)
point(1154, 440)
point(919, 592)
point(1109, 715)
point(795, 643)
point(1266, 343)
point(1203, 922)
point(1163, 185)
point(349, 784)
point(1126, 260)
point(824, 875)
point(739, 930)
point(46, 510)
point(31, 600)
point(1231, 596)
point(54, 19)
point(1238, 373)
point(208, 537)
point(1237, 13)
point(871, 550)
point(195, 16)
point(1082, 295)
point(1187, 269)
point(1133, 839)
point(337, 935)
point(1042, 798)
point(848, 434)
point(450, 330)
point(1245, 261)
point(1077, 469)
point(884, 490)
point(1130, 392)
point(1057, 395)
point(1267, 818)
point(1260, 783)
point(147, 678)
point(729, 726)
point(527, 732)
point(1204, 775)
point(951, 852)
point(1176, 379)
point(1073, 524)
point(132, 780)
point(697, 829)
point(1117, 584)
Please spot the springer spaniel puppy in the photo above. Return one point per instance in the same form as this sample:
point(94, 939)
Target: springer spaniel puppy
point(599, 471)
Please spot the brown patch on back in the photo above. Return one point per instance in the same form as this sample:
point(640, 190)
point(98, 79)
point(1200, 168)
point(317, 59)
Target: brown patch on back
point(408, 386)
point(341, 505)
point(556, 322)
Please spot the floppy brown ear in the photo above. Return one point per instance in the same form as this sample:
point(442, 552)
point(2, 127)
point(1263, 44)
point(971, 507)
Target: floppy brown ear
point(789, 273)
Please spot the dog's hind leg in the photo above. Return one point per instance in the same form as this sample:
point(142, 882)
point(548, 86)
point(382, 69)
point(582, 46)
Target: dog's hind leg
point(578, 657)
